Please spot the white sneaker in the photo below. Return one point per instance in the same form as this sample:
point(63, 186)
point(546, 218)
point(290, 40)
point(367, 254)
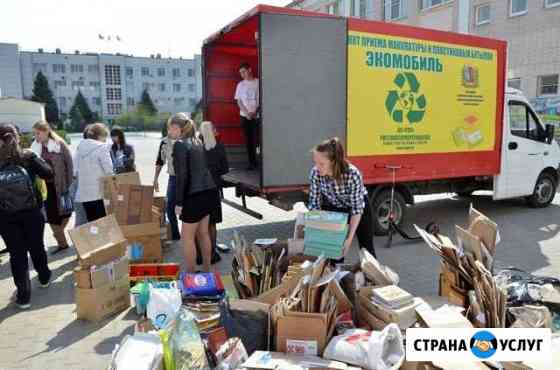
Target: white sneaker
point(23, 306)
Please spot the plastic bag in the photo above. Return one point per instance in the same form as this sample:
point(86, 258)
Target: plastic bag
point(524, 288)
point(185, 344)
point(247, 320)
point(141, 351)
point(382, 350)
point(531, 317)
point(231, 355)
point(163, 305)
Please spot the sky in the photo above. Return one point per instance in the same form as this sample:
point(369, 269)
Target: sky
point(173, 28)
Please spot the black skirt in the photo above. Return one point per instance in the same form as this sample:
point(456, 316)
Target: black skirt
point(199, 205)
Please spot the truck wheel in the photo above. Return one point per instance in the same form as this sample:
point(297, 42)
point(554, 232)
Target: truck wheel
point(544, 193)
point(381, 208)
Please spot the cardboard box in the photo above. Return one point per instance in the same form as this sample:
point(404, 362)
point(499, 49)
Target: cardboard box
point(95, 277)
point(367, 318)
point(96, 304)
point(111, 183)
point(274, 360)
point(312, 328)
point(404, 317)
point(452, 287)
point(99, 242)
point(148, 237)
point(132, 204)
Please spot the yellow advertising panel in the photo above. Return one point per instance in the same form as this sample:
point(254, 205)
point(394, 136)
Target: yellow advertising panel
point(411, 96)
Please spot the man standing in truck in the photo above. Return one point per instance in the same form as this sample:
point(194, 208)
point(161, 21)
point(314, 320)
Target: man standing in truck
point(247, 97)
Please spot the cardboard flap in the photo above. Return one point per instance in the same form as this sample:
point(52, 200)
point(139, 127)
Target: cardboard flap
point(148, 229)
point(110, 183)
point(96, 236)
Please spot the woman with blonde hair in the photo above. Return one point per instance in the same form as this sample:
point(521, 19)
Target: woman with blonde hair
point(49, 146)
point(197, 194)
point(218, 166)
point(93, 162)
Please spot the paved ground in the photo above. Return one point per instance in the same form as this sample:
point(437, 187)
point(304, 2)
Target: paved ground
point(49, 337)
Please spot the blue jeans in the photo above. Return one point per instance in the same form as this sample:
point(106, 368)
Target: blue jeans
point(171, 203)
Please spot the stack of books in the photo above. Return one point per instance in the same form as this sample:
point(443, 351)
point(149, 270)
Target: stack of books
point(392, 296)
point(325, 233)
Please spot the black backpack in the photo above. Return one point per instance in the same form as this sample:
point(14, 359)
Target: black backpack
point(17, 192)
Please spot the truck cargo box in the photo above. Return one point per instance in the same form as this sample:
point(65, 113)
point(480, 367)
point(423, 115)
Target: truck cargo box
point(429, 101)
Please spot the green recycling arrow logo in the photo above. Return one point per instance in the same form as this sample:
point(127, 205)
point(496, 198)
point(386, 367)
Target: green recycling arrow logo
point(406, 102)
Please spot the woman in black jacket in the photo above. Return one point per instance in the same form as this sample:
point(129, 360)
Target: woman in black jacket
point(197, 195)
point(218, 166)
point(122, 153)
point(21, 222)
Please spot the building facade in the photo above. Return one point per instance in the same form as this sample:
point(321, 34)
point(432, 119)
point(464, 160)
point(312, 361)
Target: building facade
point(111, 84)
point(531, 27)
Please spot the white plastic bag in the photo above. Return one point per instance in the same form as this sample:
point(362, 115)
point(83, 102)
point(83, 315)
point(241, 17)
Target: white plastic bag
point(378, 350)
point(163, 305)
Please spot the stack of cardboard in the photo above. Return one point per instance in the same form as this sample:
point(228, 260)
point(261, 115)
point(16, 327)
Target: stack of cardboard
point(102, 280)
point(305, 321)
point(487, 301)
point(109, 184)
point(133, 207)
point(475, 244)
point(325, 233)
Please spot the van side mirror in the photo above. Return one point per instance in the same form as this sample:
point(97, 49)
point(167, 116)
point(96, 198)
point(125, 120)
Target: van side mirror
point(549, 133)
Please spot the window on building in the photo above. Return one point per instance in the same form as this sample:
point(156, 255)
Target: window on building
point(161, 87)
point(362, 7)
point(59, 68)
point(130, 101)
point(334, 8)
point(547, 85)
point(517, 7)
point(96, 101)
point(113, 93)
point(192, 102)
point(93, 68)
point(176, 87)
point(425, 4)
point(482, 14)
point(59, 83)
point(39, 67)
point(94, 84)
point(145, 86)
point(176, 73)
point(112, 74)
point(514, 83)
point(190, 72)
point(77, 84)
point(114, 109)
point(551, 3)
point(523, 123)
point(161, 72)
point(395, 9)
point(129, 72)
point(76, 68)
point(191, 87)
point(179, 101)
point(62, 102)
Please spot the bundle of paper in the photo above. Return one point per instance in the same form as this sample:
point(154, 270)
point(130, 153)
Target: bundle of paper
point(377, 273)
point(325, 233)
point(487, 302)
point(392, 296)
point(254, 270)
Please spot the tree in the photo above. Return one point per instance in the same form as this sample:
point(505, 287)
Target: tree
point(43, 94)
point(147, 104)
point(80, 113)
point(77, 120)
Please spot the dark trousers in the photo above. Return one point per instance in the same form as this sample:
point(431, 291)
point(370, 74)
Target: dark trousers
point(23, 234)
point(250, 127)
point(94, 210)
point(364, 232)
point(170, 207)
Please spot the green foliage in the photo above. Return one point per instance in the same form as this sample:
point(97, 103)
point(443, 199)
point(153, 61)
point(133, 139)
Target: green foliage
point(80, 114)
point(141, 120)
point(43, 94)
point(146, 103)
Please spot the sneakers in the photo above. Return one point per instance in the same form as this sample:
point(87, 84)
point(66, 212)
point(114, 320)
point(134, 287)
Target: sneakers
point(47, 284)
point(23, 305)
point(224, 248)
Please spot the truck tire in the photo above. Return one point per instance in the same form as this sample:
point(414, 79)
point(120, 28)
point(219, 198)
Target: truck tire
point(544, 193)
point(380, 210)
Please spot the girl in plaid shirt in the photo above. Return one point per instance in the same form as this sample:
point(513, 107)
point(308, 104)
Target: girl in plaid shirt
point(337, 185)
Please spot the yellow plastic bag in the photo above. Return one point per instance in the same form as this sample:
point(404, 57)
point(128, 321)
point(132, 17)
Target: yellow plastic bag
point(41, 187)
